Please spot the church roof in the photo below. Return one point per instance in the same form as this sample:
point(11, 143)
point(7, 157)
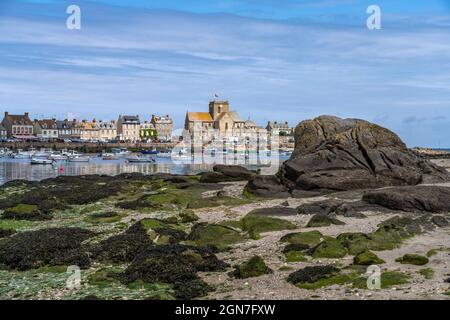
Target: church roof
point(199, 116)
point(235, 116)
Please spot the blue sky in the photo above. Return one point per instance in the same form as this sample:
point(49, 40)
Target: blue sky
point(273, 59)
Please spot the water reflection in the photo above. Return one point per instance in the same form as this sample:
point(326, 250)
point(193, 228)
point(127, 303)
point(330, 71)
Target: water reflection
point(12, 169)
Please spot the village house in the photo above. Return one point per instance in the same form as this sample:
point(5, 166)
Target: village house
point(88, 130)
point(279, 128)
point(18, 126)
point(163, 126)
point(129, 128)
point(148, 131)
point(220, 122)
point(46, 129)
point(107, 130)
point(68, 129)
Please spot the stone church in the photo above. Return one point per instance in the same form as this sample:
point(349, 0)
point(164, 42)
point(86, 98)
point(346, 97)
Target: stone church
point(225, 122)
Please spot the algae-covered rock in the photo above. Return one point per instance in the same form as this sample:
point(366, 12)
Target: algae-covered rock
point(312, 274)
point(188, 216)
point(6, 232)
point(387, 280)
point(254, 267)
point(367, 258)
point(171, 264)
point(414, 259)
point(25, 212)
point(310, 238)
point(329, 248)
point(220, 236)
point(255, 224)
point(320, 220)
point(52, 246)
point(123, 247)
point(276, 211)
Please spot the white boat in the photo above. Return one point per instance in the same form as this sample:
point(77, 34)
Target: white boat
point(120, 152)
point(109, 156)
point(70, 153)
point(78, 159)
point(41, 161)
point(57, 156)
point(137, 159)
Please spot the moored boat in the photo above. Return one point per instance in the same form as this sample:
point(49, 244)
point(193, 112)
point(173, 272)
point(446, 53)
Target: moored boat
point(137, 159)
point(41, 161)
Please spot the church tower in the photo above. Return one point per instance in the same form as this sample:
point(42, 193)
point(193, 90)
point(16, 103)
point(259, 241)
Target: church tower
point(217, 107)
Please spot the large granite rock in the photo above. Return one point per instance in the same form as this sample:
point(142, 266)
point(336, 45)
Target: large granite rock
point(344, 154)
point(267, 187)
point(434, 199)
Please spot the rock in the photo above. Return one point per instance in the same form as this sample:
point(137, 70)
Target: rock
point(267, 187)
point(254, 267)
point(320, 220)
point(220, 236)
point(285, 203)
point(329, 248)
point(310, 238)
point(225, 173)
point(188, 216)
point(176, 265)
point(275, 211)
point(440, 221)
point(367, 258)
point(336, 207)
point(345, 154)
point(6, 232)
point(236, 172)
point(319, 207)
point(296, 247)
point(25, 212)
point(411, 198)
point(414, 259)
point(52, 246)
point(255, 224)
point(312, 274)
point(123, 247)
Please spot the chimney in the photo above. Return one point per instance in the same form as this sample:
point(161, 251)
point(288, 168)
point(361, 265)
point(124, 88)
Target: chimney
point(26, 114)
point(6, 113)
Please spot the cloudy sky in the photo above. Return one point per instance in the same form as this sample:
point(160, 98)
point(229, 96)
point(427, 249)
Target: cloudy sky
point(273, 59)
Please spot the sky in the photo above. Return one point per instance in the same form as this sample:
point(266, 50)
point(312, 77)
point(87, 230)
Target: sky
point(278, 60)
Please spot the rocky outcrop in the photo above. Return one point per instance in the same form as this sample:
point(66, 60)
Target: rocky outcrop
point(345, 154)
point(267, 186)
point(411, 198)
point(224, 173)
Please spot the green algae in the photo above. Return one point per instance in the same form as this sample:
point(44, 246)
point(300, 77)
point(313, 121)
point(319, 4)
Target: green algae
point(414, 259)
point(367, 258)
point(310, 238)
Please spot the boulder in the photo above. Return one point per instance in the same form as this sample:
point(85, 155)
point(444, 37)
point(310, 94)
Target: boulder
point(345, 154)
point(312, 274)
point(411, 198)
point(276, 211)
point(225, 173)
point(254, 267)
point(320, 220)
point(267, 187)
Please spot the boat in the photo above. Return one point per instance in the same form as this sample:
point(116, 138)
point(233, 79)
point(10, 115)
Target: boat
point(109, 156)
point(70, 153)
point(153, 151)
point(78, 159)
point(57, 156)
point(120, 152)
point(41, 161)
point(138, 159)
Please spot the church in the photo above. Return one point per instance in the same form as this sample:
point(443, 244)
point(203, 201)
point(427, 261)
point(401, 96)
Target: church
point(220, 120)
